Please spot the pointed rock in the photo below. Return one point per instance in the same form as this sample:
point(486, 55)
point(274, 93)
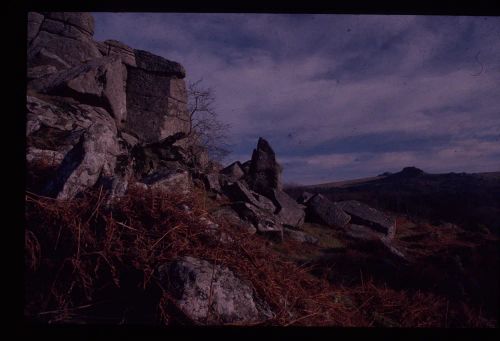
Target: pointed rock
point(265, 172)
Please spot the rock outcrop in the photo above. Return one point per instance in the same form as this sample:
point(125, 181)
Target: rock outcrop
point(103, 111)
point(264, 174)
point(362, 214)
point(193, 282)
point(323, 211)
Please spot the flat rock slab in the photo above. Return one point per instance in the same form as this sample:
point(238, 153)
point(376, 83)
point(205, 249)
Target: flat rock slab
point(265, 222)
point(238, 191)
point(174, 181)
point(289, 212)
point(193, 281)
point(233, 171)
point(324, 211)
point(365, 215)
point(300, 236)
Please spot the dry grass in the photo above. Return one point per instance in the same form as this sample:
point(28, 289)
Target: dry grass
point(92, 263)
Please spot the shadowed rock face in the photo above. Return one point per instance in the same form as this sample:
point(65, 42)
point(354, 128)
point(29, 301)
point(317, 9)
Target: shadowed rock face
point(156, 98)
point(233, 171)
point(91, 103)
point(323, 211)
point(265, 173)
point(193, 281)
point(66, 35)
point(365, 215)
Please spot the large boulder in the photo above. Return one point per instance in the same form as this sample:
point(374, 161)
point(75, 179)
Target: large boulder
point(360, 232)
point(148, 158)
point(362, 214)
point(55, 127)
point(266, 223)
point(117, 48)
point(228, 215)
point(288, 211)
point(211, 182)
point(304, 197)
point(100, 82)
point(300, 236)
point(156, 98)
point(264, 174)
point(34, 22)
point(79, 140)
point(93, 158)
point(65, 34)
point(212, 294)
point(233, 171)
point(174, 181)
point(237, 191)
point(321, 210)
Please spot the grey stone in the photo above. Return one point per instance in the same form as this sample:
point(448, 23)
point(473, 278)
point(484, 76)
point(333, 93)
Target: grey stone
point(237, 191)
point(214, 233)
point(321, 210)
point(129, 139)
point(83, 21)
point(156, 105)
point(63, 29)
point(192, 282)
point(266, 223)
point(45, 58)
point(300, 236)
point(35, 20)
point(57, 127)
point(99, 83)
point(40, 71)
point(265, 173)
point(233, 171)
point(360, 232)
point(51, 157)
point(231, 217)
point(72, 51)
point(245, 167)
point(175, 181)
point(117, 48)
point(149, 158)
point(211, 182)
point(304, 197)
point(92, 158)
point(365, 215)
point(156, 64)
point(288, 211)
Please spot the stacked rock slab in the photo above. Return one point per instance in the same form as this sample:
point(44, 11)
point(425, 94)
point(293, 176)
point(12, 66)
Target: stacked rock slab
point(156, 97)
point(91, 103)
point(61, 39)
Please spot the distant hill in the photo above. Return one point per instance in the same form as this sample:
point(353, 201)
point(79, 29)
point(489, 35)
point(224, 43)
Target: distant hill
point(470, 200)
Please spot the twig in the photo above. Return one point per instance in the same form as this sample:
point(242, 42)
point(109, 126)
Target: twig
point(122, 224)
point(159, 240)
point(78, 248)
point(212, 279)
point(97, 206)
point(39, 196)
point(446, 316)
point(300, 318)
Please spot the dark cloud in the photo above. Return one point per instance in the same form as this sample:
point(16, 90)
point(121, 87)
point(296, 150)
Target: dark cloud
point(340, 96)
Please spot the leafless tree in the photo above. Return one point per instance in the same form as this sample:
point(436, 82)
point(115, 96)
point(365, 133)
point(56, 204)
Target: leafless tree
point(205, 128)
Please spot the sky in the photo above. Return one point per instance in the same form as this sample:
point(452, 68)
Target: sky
point(339, 96)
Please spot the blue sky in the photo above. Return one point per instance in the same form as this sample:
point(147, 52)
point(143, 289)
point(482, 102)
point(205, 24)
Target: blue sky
point(340, 96)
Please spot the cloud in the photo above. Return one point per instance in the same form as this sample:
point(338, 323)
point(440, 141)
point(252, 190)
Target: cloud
point(350, 93)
